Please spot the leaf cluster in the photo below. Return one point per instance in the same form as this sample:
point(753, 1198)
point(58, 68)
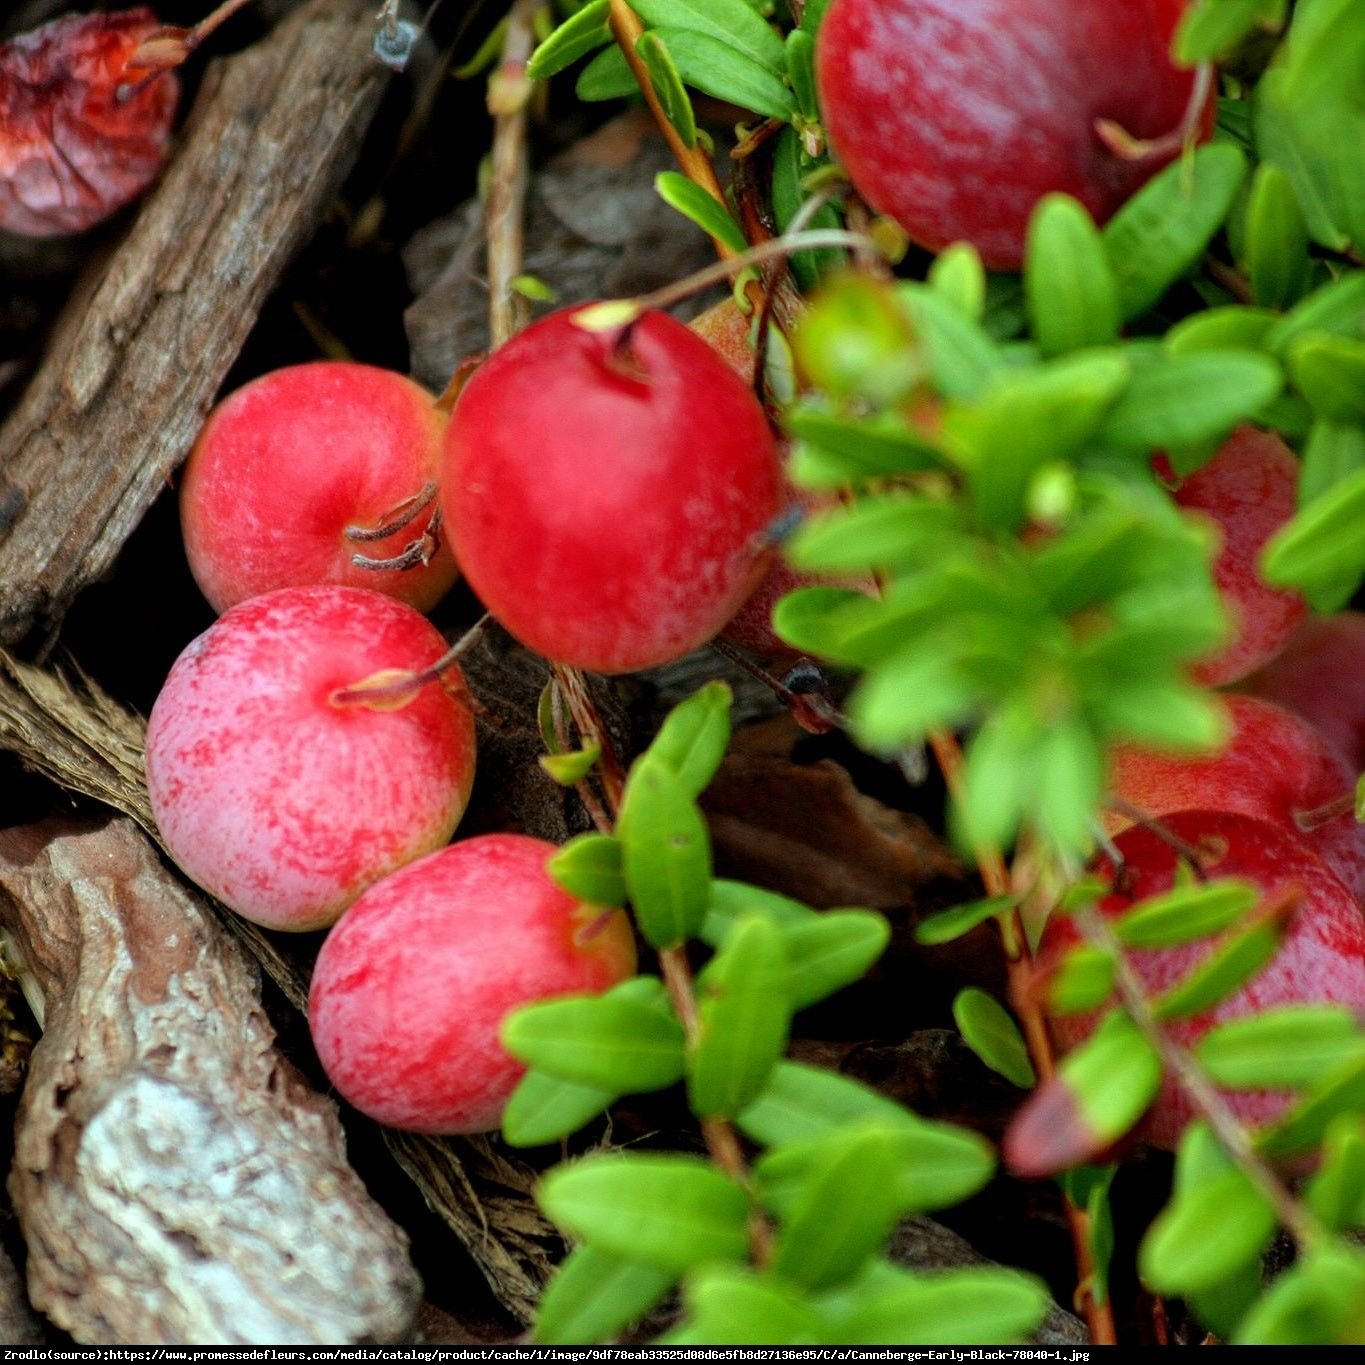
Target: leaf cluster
point(791, 1249)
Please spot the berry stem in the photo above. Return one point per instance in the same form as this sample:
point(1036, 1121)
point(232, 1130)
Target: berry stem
point(508, 310)
point(693, 161)
point(996, 879)
point(404, 686)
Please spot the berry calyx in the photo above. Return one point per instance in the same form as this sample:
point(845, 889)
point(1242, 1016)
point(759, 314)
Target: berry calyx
point(318, 473)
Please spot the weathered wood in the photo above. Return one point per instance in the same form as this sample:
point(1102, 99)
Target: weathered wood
point(175, 1179)
point(135, 364)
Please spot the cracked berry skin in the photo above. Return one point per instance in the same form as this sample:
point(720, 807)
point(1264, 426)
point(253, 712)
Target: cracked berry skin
point(608, 492)
point(955, 117)
point(277, 797)
point(413, 984)
point(71, 151)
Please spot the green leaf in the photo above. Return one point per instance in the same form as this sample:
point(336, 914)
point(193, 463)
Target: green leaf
point(800, 62)
point(744, 1018)
point(1099, 1092)
point(594, 1296)
point(990, 1031)
point(589, 869)
point(808, 620)
point(1082, 981)
point(668, 86)
point(1160, 234)
point(1341, 1090)
point(1070, 784)
point(599, 1041)
point(1072, 295)
point(961, 355)
point(1186, 913)
point(732, 901)
point(951, 924)
point(1087, 1187)
point(1336, 1192)
point(571, 767)
point(1279, 1048)
point(838, 1200)
point(1277, 256)
point(1181, 400)
point(894, 531)
point(578, 35)
point(671, 1212)
point(1179, 1256)
point(693, 738)
point(1234, 962)
point(1308, 118)
point(718, 69)
point(1213, 28)
point(731, 22)
point(855, 341)
point(1025, 419)
point(957, 274)
point(1233, 328)
point(1319, 1301)
point(1334, 451)
point(801, 1102)
point(1337, 308)
point(909, 694)
point(607, 77)
point(791, 166)
point(1324, 543)
point(813, 12)
point(544, 1109)
point(1330, 373)
point(865, 447)
point(977, 1307)
point(831, 950)
point(743, 1309)
point(693, 202)
point(666, 855)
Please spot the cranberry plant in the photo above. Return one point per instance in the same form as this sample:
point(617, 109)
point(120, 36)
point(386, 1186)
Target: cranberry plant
point(993, 439)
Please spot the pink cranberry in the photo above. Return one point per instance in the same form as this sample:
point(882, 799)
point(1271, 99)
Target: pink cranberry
point(608, 491)
point(956, 116)
point(291, 472)
point(1320, 675)
point(290, 766)
point(1321, 958)
point(413, 983)
point(1273, 767)
point(1248, 491)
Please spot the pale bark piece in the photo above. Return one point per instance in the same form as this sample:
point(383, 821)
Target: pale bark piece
point(136, 362)
point(176, 1180)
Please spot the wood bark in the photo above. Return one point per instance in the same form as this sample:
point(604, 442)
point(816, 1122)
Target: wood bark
point(176, 1180)
point(137, 360)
